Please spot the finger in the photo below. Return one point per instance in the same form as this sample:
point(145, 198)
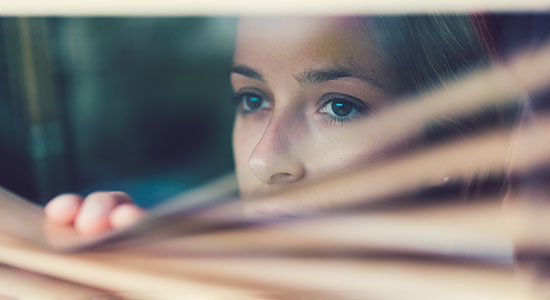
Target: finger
point(125, 215)
point(63, 209)
point(96, 209)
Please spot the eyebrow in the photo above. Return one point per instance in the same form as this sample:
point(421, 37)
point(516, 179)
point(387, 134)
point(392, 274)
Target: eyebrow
point(312, 76)
point(246, 71)
point(324, 75)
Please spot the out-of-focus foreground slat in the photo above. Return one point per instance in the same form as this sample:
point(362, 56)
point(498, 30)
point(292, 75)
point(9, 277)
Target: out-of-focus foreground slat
point(216, 7)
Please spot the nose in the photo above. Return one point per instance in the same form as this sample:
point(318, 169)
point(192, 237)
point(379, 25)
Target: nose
point(275, 159)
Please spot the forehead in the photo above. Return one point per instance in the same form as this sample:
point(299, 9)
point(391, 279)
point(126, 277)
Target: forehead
point(298, 43)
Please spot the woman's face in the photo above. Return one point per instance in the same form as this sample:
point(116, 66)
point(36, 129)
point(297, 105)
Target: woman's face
point(298, 83)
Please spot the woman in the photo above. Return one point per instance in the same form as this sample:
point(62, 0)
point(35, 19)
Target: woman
point(299, 82)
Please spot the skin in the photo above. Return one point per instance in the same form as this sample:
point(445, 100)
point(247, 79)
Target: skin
point(293, 138)
point(290, 77)
point(97, 213)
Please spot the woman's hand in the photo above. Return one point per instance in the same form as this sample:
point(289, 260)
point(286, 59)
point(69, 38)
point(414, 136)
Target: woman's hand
point(98, 212)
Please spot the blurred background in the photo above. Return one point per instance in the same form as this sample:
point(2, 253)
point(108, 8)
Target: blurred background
point(135, 104)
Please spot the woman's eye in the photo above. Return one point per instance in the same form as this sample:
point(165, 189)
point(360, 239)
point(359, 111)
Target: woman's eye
point(341, 110)
point(250, 102)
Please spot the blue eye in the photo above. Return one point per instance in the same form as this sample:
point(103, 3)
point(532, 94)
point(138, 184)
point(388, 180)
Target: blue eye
point(342, 109)
point(250, 102)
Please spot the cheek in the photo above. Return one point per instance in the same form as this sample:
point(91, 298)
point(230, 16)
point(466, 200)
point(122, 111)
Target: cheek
point(339, 155)
point(339, 160)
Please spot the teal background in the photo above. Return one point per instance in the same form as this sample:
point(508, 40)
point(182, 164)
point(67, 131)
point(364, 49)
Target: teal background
point(135, 104)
